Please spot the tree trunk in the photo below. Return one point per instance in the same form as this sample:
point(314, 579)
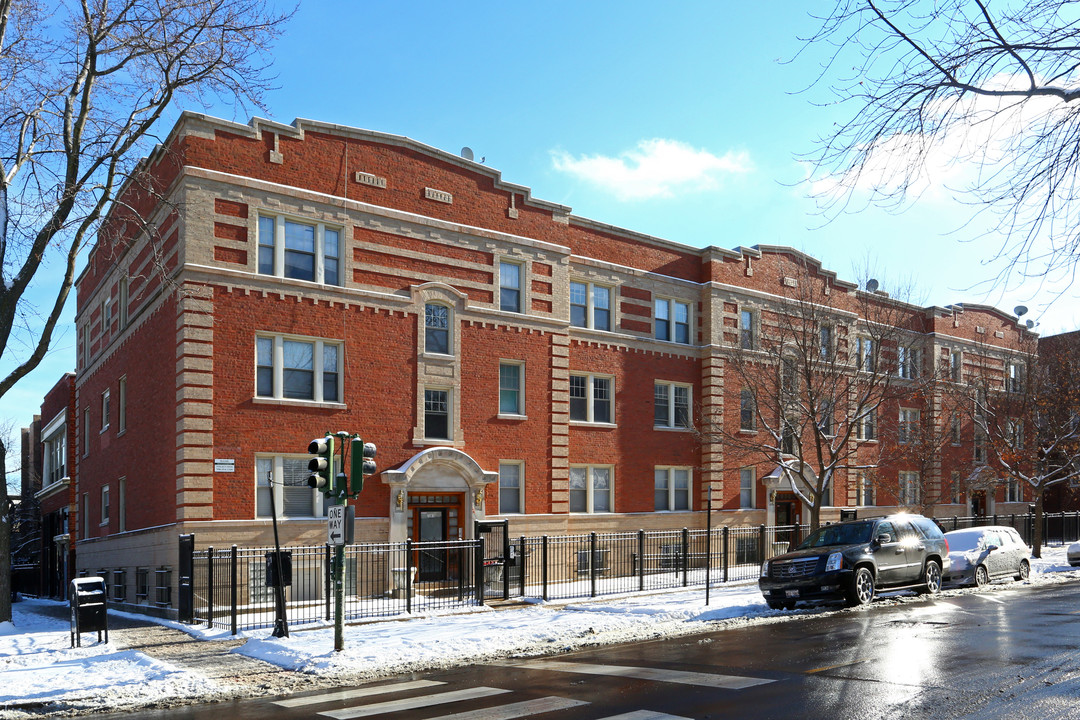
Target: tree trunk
point(7, 518)
point(815, 515)
point(1037, 531)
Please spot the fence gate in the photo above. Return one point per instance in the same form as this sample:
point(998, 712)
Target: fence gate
point(497, 560)
point(187, 572)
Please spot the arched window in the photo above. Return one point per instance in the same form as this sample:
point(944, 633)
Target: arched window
point(437, 329)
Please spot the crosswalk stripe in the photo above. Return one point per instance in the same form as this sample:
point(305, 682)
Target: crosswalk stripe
point(732, 682)
point(516, 710)
point(645, 715)
point(356, 693)
point(413, 703)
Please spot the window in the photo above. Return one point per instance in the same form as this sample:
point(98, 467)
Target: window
point(747, 481)
point(979, 446)
point(121, 504)
point(591, 399)
point(86, 432)
point(1013, 491)
point(1016, 377)
point(671, 405)
point(122, 302)
point(746, 330)
point(437, 329)
point(294, 369)
point(106, 315)
point(955, 428)
point(907, 362)
point(956, 489)
point(85, 345)
point(590, 489)
point(787, 439)
point(511, 391)
point(590, 306)
point(286, 477)
point(105, 400)
point(866, 426)
point(437, 414)
point(956, 364)
point(864, 487)
point(909, 487)
point(907, 431)
point(747, 410)
point(672, 321)
point(510, 287)
point(510, 488)
point(105, 505)
point(789, 379)
point(826, 332)
point(299, 250)
point(55, 457)
point(672, 488)
point(121, 406)
point(1014, 434)
point(864, 354)
point(825, 418)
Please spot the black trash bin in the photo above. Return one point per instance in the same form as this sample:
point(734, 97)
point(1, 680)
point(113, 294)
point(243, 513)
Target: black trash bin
point(89, 609)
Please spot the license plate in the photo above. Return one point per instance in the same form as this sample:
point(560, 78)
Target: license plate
point(792, 593)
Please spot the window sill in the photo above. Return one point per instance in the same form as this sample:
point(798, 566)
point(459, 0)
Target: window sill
point(745, 431)
point(512, 416)
point(668, 428)
point(103, 430)
point(873, 441)
point(586, 423)
point(438, 357)
point(436, 442)
point(282, 402)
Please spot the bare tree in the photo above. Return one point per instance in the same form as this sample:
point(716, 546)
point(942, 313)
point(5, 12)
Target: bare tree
point(1024, 408)
point(83, 84)
point(937, 86)
point(816, 370)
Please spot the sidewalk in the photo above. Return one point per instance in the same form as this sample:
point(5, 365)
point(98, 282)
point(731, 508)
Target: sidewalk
point(149, 663)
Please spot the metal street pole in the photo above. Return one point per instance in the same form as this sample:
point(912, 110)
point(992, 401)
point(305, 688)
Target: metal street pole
point(339, 590)
point(281, 623)
point(708, 543)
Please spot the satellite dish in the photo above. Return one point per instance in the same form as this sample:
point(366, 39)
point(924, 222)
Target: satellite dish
point(1030, 324)
point(871, 285)
point(1020, 310)
point(467, 153)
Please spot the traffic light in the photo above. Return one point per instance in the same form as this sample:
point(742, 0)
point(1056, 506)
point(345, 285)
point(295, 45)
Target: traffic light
point(322, 466)
point(362, 464)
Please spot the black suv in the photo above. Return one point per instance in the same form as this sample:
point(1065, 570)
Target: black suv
point(852, 560)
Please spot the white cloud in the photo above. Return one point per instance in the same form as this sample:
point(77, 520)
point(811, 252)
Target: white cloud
point(656, 168)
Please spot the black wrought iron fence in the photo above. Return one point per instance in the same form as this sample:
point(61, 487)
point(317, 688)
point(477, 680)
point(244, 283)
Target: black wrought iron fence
point(230, 588)
point(1058, 528)
point(233, 589)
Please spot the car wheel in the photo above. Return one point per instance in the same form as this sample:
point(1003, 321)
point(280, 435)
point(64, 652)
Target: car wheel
point(789, 605)
point(861, 590)
point(931, 577)
point(982, 576)
point(1025, 570)
point(775, 604)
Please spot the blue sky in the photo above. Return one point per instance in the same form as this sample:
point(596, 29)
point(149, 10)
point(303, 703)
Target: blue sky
point(685, 121)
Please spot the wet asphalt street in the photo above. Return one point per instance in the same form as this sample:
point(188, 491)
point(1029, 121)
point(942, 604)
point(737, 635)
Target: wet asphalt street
point(1013, 652)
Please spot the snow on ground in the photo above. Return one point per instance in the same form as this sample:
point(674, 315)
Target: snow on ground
point(39, 670)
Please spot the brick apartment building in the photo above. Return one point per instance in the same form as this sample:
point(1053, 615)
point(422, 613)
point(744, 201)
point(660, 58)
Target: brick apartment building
point(508, 358)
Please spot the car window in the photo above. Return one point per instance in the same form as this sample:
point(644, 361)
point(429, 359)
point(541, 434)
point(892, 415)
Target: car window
point(927, 528)
point(1015, 536)
point(904, 531)
point(991, 538)
point(843, 534)
point(884, 528)
point(963, 541)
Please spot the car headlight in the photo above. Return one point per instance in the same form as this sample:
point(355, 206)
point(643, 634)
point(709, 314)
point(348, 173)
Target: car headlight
point(765, 569)
point(834, 562)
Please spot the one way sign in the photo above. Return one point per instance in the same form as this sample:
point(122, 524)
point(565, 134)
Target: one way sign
point(335, 525)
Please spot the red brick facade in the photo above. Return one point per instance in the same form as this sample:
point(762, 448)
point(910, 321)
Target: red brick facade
point(198, 332)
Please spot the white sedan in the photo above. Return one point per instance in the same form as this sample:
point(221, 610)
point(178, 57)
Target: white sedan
point(981, 554)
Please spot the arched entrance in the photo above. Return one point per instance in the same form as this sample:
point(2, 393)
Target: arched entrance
point(436, 495)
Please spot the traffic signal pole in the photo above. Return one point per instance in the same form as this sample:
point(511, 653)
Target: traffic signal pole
point(340, 488)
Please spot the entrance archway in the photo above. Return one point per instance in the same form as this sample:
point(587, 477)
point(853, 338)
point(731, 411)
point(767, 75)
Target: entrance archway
point(437, 492)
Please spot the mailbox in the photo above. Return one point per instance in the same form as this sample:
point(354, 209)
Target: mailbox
point(89, 609)
point(272, 568)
